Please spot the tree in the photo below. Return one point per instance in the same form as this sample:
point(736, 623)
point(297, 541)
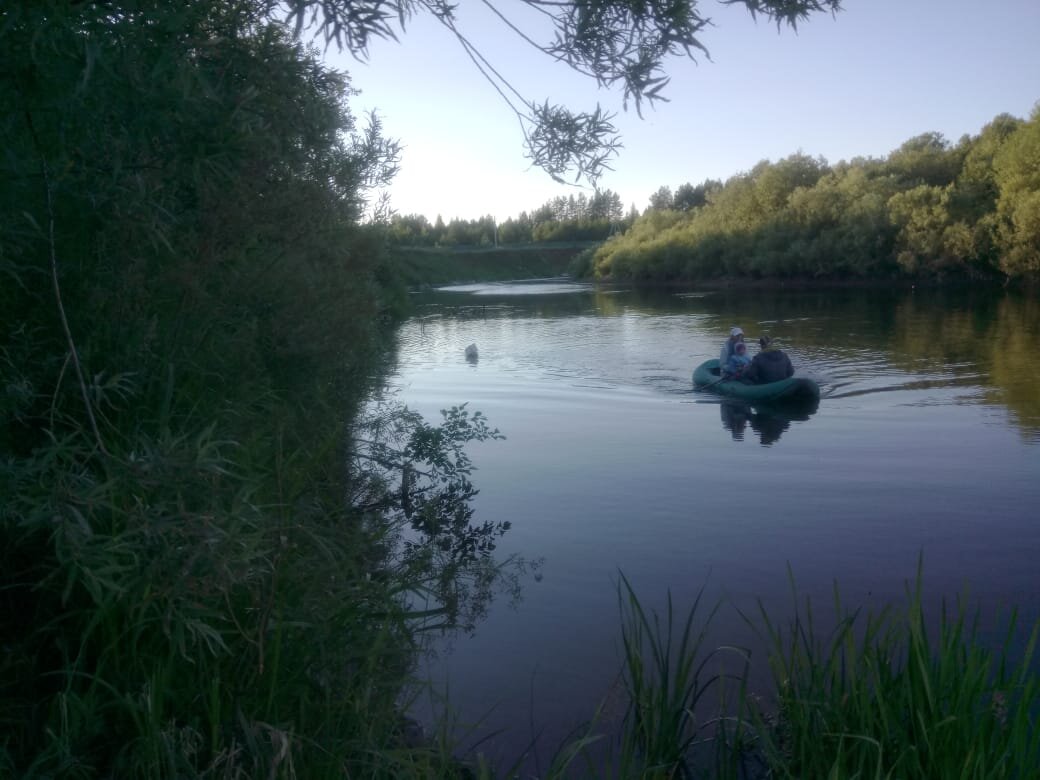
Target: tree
point(605, 204)
point(1017, 172)
point(775, 182)
point(925, 159)
point(620, 45)
point(689, 197)
point(922, 218)
point(661, 200)
point(180, 193)
point(976, 187)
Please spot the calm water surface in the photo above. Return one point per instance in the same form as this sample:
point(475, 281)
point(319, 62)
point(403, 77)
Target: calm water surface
point(926, 440)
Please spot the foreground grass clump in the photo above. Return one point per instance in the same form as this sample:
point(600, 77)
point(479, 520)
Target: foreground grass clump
point(881, 695)
point(668, 673)
point(170, 609)
point(890, 694)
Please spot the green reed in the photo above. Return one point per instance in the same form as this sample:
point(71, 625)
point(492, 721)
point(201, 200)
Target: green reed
point(891, 694)
point(881, 694)
point(679, 691)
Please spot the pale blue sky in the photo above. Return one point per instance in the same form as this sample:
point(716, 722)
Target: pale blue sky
point(858, 84)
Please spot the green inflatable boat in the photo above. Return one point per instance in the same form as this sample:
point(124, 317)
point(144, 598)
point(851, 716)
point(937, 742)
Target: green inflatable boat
point(796, 389)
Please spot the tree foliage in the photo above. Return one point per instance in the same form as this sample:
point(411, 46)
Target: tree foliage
point(1017, 172)
point(930, 209)
point(573, 218)
point(193, 316)
point(621, 45)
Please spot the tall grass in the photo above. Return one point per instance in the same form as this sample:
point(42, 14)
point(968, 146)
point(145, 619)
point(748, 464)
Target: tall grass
point(172, 625)
point(882, 694)
point(666, 681)
point(892, 694)
point(682, 698)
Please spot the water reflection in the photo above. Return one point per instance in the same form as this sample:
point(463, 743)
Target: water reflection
point(979, 343)
point(554, 286)
point(926, 439)
point(956, 345)
point(769, 423)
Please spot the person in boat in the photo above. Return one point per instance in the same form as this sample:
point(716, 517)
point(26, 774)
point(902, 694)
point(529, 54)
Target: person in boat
point(736, 335)
point(769, 365)
point(738, 363)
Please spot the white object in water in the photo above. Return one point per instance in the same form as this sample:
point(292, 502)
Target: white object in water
point(471, 352)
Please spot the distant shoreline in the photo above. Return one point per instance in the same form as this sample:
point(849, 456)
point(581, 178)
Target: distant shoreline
point(423, 266)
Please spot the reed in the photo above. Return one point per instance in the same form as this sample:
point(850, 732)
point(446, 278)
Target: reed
point(881, 694)
point(680, 692)
point(892, 694)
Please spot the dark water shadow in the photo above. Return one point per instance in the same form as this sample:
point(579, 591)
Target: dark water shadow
point(768, 421)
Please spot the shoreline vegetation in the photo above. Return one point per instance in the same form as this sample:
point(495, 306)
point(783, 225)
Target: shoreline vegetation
point(223, 549)
point(421, 267)
point(930, 212)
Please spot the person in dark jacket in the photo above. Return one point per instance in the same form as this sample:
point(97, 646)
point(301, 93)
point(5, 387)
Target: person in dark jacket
point(769, 365)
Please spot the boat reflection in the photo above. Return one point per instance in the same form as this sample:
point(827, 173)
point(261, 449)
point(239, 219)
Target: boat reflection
point(769, 422)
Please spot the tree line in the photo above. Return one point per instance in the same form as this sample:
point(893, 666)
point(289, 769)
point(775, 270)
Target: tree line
point(930, 209)
point(572, 218)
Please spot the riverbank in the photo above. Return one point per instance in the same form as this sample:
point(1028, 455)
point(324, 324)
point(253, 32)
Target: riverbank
point(417, 267)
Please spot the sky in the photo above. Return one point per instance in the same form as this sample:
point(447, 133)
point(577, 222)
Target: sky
point(857, 84)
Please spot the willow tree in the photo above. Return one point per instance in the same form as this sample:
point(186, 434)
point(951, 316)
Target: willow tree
point(190, 313)
point(620, 45)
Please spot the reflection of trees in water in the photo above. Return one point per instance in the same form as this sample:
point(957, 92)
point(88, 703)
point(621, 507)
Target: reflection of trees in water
point(414, 477)
point(977, 333)
point(768, 422)
point(1015, 367)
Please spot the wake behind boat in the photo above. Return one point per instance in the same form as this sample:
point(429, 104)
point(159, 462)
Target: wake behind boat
point(795, 389)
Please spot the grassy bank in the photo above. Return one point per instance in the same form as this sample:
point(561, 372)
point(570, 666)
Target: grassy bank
point(419, 267)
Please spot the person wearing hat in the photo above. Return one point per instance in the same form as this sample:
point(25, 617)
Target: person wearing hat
point(769, 365)
point(735, 335)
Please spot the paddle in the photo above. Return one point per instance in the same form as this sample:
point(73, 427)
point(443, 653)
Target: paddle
point(712, 384)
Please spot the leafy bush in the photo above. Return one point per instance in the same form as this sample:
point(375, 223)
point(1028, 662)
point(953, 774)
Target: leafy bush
point(929, 210)
point(195, 317)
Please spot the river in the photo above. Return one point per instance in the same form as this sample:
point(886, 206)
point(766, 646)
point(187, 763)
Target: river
point(926, 443)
